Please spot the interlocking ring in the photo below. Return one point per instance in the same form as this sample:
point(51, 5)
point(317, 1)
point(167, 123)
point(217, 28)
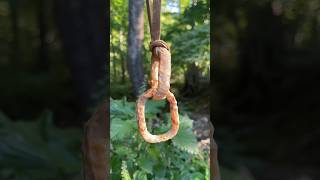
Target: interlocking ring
point(147, 136)
point(160, 69)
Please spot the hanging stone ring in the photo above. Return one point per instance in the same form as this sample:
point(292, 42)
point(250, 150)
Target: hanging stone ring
point(147, 136)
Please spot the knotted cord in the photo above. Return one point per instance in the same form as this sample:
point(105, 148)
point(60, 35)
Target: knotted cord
point(160, 79)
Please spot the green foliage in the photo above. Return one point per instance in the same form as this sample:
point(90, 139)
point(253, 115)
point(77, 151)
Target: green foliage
point(197, 50)
point(189, 35)
point(118, 36)
point(38, 150)
point(185, 139)
point(178, 158)
point(187, 32)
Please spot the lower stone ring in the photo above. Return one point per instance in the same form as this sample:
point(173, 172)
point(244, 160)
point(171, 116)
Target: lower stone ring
point(147, 136)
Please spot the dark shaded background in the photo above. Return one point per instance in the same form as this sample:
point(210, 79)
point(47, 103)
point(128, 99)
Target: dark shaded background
point(265, 82)
point(53, 73)
point(53, 55)
point(265, 76)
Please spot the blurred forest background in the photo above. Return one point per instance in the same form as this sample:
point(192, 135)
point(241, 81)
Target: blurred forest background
point(265, 99)
point(53, 73)
point(264, 76)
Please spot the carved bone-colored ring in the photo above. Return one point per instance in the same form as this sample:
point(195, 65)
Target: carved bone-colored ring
point(160, 69)
point(142, 123)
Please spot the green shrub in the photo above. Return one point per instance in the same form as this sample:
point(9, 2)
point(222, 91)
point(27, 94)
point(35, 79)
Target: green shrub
point(133, 158)
point(38, 150)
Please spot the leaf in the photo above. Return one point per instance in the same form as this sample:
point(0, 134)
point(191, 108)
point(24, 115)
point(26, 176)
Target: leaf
point(120, 129)
point(139, 175)
point(207, 174)
point(185, 139)
point(38, 150)
point(146, 163)
point(185, 122)
point(119, 107)
point(197, 176)
point(154, 152)
point(155, 106)
point(122, 150)
point(160, 171)
point(14, 149)
point(185, 175)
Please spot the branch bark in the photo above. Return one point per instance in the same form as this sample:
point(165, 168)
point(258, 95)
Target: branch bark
point(214, 165)
point(96, 141)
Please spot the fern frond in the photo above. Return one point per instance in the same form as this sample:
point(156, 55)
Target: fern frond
point(124, 171)
point(118, 107)
point(153, 107)
point(121, 129)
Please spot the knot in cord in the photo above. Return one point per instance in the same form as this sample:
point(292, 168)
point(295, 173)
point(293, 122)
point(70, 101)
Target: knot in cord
point(158, 43)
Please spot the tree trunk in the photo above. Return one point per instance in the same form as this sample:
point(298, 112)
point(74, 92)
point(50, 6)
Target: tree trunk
point(114, 77)
point(135, 37)
point(214, 165)
point(114, 71)
point(96, 141)
point(122, 58)
point(83, 30)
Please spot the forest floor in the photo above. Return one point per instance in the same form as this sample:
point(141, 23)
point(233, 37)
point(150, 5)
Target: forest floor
point(201, 120)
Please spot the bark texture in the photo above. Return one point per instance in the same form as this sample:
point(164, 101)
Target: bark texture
point(214, 165)
point(135, 38)
point(96, 141)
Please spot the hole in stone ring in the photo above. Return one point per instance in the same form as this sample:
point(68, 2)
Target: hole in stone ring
point(147, 136)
